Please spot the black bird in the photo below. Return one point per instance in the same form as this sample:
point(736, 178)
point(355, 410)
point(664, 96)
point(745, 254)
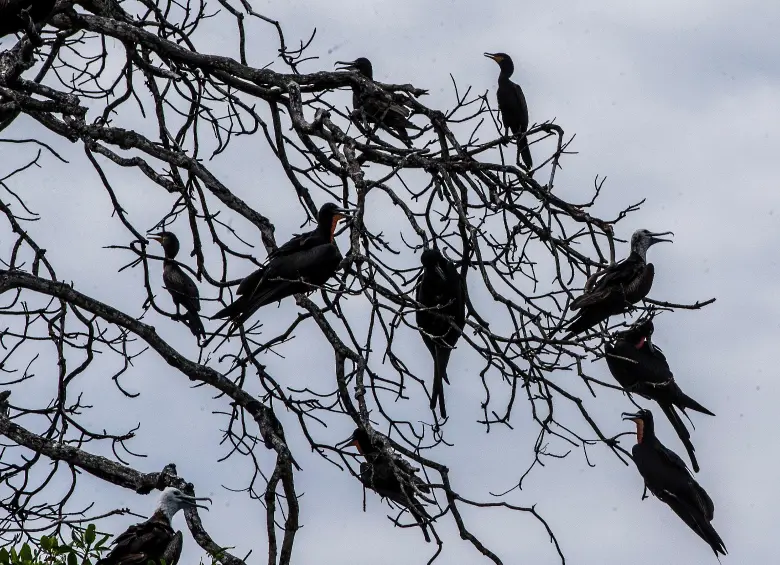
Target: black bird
point(154, 538)
point(442, 292)
point(391, 116)
point(619, 286)
point(392, 478)
point(512, 104)
point(641, 368)
point(667, 477)
point(16, 14)
point(307, 260)
point(183, 289)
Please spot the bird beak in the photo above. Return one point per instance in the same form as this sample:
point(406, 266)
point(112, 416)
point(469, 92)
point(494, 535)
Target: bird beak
point(346, 65)
point(440, 272)
point(193, 501)
point(632, 417)
point(655, 239)
point(156, 237)
point(350, 442)
point(493, 56)
point(343, 214)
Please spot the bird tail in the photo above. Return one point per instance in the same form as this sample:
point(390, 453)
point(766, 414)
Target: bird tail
point(684, 401)
point(580, 323)
point(701, 526)
point(421, 516)
point(682, 433)
point(525, 152)
point(440, 361)
point(195, 324)
point(231, 310)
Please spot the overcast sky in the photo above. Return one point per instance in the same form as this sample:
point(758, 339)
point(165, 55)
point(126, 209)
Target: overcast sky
point(676, 102)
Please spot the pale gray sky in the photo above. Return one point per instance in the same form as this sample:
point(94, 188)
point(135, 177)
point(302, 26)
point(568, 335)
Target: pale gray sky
point(674, 102)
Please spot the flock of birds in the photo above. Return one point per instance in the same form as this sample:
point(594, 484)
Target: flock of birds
point(307, 261)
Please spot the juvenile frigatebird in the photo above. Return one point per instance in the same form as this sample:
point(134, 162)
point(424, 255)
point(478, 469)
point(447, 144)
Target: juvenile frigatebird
point(182, 288)
point(393, 478)
point(15, 15)
point(512, 105)
point(619, 286)
point(442, 292)
point(667, 477)
point(641, 368)
point(154, 538)
point(305, 262)
point(391, 116)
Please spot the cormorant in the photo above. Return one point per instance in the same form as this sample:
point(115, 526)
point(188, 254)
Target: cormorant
point(12, 18)
point(667, 477)
point(641, 368)
point(619, 286)
point(183, 289)
point(306, 261)
point(391, 116)
point(391, 478)
point(511, 103)
point(155, 538)
point(442, 292)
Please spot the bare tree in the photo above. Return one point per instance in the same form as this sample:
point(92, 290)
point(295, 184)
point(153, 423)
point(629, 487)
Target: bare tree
point(522, 250)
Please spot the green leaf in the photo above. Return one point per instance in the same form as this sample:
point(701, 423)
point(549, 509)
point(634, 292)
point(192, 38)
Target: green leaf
point(46, 543)
point(26, 554)
point(102, 541)
point(72, 560)
point(89, 537)
point(5, 558)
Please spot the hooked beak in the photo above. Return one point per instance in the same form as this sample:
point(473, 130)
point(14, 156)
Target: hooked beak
point(156, 237)
point(346, 65)
point(655, 239)
point(493, 56)
point(350, 442)
point(633, 417)
point(192, 501)
point(343, 214)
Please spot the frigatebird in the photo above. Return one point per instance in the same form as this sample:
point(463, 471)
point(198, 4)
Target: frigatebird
point(641, 367)
point(15, 15)
point(442, 293)
point(667, 477)
point(512, 105)
point(391, 477)
point(305, 262)
point(618, 286)
point(154, 538)
point(389, 115)
point(182, 288)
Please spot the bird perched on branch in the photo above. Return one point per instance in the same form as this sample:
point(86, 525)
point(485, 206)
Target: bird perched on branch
point(154, 538)
point(393, 478)
point(641, 368)
point(301, 265)
point(667, 477)
point(16, 15)
point(512, 105)
point(613, 290)
point(391, 116)
point(182, 288)
point(443, 294)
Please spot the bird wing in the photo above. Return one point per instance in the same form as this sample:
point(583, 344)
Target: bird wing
point(181, 287)
point(299, 242)
point(614, 278)
point(520, 98)
point(139, 543)
point(672, 460)
point(250, 281)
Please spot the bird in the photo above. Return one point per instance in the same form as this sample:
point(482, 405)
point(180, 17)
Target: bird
point(667, 477)
point(618, 286)
point(308, 260)
point(442, 292)
point(154, 538)
point(182, 288)
point(391, 116)
point(641, 367)
point(512, 105)
point(393, 478)
point(16, 14)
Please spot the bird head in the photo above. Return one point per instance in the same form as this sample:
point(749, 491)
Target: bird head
point(361, 65)
point(360, 440)
point(172, 500)
point(431, 260)
point(504, 61)
point(644, 423)
point(642, 240)
point(330, 215)
point(639, 333)
point(169, 242)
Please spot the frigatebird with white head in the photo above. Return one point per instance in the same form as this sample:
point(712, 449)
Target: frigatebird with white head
point(154, 538)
